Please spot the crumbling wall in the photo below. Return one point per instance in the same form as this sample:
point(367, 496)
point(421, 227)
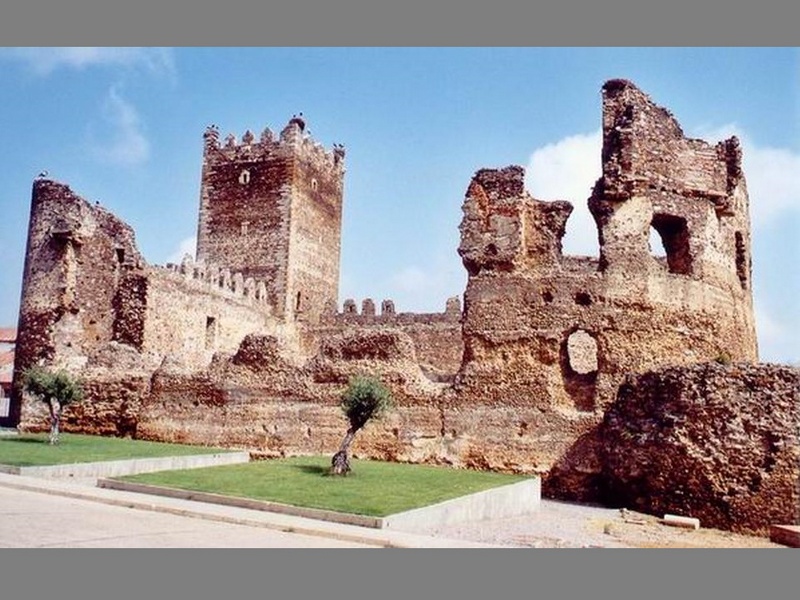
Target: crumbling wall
point(115, 381)
point(518, 381)
point(548, 338)
point(187, 312)
point(191, 314)
point(436, 336)
point(692, 195)
point(712, 441)
point(262, 398)
point(76, 254)
point(89, 295)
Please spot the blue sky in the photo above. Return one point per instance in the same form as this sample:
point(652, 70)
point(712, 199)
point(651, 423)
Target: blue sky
point(124, 126)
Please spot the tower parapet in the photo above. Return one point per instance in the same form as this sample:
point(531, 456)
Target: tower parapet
point(292, 138)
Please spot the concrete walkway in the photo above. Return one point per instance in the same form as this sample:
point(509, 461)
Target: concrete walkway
point(34, 520)
point(85, 490)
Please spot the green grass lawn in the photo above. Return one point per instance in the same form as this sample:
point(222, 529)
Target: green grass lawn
point(27, 450)
point(373, 488)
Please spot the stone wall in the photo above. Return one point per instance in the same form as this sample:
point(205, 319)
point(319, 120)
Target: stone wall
point(244, 211)
point(316, 225)
point(436, 336)
point(75, 256)
point(712, 441)
point(263, 399)
point(192, 319)
point(691, 193)
point(92, 305)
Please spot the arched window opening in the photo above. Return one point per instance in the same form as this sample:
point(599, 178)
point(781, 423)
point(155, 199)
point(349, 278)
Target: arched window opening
point(674, 236)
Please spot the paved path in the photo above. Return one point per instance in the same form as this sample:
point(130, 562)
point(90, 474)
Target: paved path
point(37, 512)
point(36, 520)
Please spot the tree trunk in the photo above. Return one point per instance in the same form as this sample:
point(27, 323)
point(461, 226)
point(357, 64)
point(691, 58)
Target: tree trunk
point(55, 419)
point(340, 463)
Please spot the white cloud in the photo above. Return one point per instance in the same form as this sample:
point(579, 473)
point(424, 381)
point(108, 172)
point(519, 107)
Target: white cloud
point(186, 246)
point(121, 140)
point(567, 170)
point(44, 61)
point(772, 174)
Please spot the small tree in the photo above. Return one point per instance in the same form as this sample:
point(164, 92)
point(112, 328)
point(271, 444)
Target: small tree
point(56, 389)
point(365, 398)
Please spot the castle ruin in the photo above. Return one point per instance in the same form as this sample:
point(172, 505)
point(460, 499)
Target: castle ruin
point(245, 345)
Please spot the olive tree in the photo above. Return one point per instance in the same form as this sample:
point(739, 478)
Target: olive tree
point(365, 398)
point(56, 389)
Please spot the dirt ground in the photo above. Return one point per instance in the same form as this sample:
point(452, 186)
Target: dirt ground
point(567, 525)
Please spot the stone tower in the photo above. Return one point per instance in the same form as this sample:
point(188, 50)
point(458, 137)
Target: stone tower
point(272, 210)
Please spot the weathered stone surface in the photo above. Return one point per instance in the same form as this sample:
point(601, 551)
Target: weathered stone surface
point(381, 344)
point(260, 399)
point(582, 352)
point(111, 406)
point(788, 535)
point(719, 443)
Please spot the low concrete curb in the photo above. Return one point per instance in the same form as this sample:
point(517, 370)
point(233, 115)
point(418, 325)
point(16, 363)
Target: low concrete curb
point(131, 466)
point(240, 516)
point(513, 500)
point(285, 509)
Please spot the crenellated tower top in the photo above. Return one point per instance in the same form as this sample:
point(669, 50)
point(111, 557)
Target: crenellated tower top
point(294, 137)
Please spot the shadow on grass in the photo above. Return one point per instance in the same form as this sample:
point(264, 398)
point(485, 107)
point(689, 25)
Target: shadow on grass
point(27, 440)
point(313, 469)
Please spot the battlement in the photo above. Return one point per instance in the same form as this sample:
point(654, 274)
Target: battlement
point(518, 380)
point(293, 139)
point(220, 281)
point(388, 315)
